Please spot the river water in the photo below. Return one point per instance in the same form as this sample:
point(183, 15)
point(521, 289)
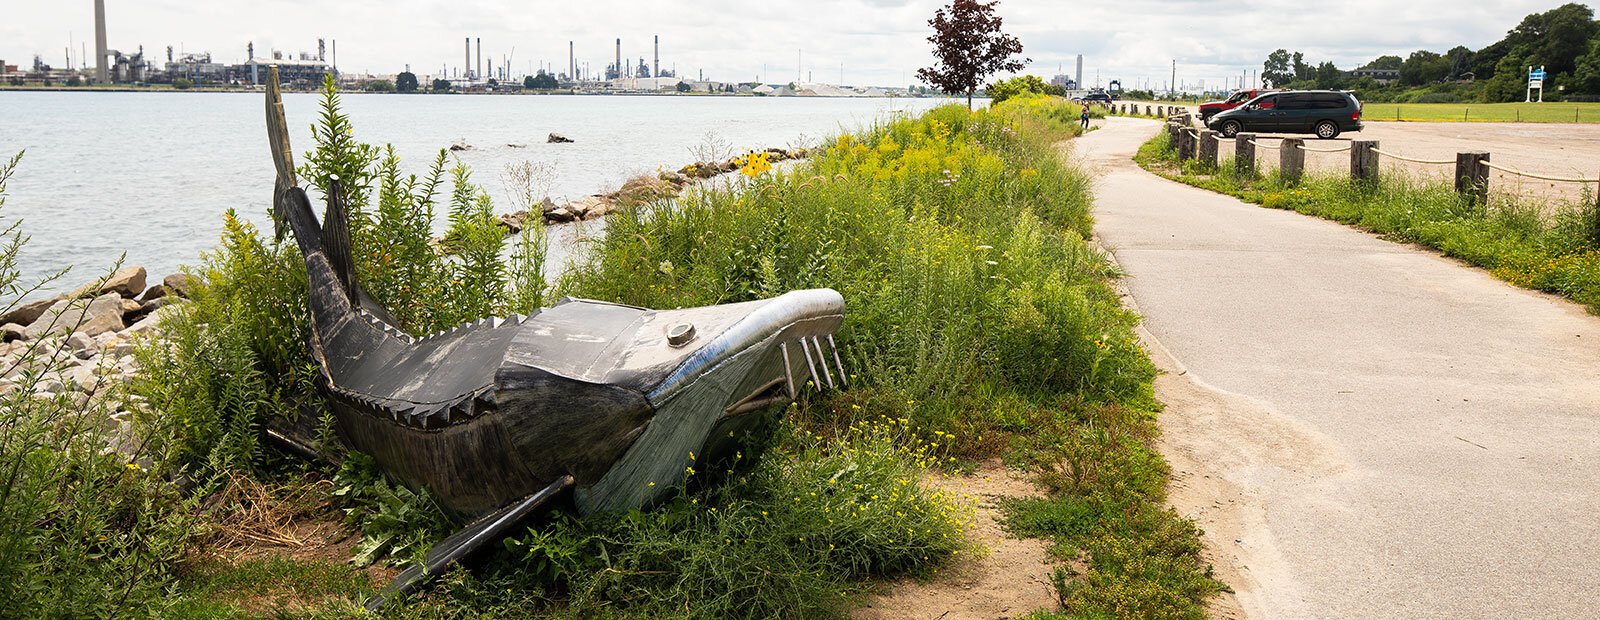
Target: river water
point(150, 174)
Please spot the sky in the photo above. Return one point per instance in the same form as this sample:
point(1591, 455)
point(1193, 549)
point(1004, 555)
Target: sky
point(866, 42)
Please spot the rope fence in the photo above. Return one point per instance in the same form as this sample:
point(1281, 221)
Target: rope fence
point(1435, 162)
point(1510, 170)
point(1472, 169)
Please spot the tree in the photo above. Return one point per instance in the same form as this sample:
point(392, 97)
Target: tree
point(1554, 38)
point(1460, 61)
point(684, 87)
point(1302, 71)
point(182, 83)
point(1329, 77)
point(542, 81)
point(1276, 70)
point(1509, 81)
point(406, 82)
point(1586, 76)
point(379, 86)
point(441, 86)
point(1424, 67)
point(1022, 85)
point(1390, 63)
point(969, 47)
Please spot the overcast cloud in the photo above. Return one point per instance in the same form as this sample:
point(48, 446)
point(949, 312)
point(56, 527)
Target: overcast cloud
point(879, 42)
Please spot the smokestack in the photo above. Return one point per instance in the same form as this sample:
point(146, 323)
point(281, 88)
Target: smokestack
point(657, 69)
point(467, 66)
point(478, 73)
point(1078, 81)
point(620, 71)
point(100, 74)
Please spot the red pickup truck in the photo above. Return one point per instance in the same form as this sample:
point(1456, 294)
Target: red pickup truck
point(1239, 97)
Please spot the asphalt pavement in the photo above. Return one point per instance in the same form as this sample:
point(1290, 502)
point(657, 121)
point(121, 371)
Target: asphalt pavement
point(1374, 431)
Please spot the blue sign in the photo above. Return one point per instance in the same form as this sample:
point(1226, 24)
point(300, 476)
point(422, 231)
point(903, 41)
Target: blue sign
point(1536, 74)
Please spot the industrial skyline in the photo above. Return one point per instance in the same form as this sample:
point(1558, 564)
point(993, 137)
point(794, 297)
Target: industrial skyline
point(875, 41)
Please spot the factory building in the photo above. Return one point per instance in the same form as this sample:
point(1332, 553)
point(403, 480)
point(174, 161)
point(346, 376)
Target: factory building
point(197, 68)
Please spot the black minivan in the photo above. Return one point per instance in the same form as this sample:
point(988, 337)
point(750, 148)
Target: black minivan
point(1325, 113)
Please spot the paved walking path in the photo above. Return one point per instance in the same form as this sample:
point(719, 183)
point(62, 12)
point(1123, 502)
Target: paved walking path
point(1364, 429)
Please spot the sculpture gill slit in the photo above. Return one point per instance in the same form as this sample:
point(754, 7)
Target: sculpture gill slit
point(588, 400)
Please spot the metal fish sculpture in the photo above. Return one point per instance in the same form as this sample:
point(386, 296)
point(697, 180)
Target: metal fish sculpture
point(591, 400)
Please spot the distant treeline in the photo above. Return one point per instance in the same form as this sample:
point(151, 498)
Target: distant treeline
point(1565, 40)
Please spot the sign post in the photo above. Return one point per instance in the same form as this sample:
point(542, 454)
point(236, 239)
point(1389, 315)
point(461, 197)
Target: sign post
point(1535, 80)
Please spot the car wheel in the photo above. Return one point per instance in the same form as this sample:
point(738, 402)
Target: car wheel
point(1231, 129)
point(1327, 130)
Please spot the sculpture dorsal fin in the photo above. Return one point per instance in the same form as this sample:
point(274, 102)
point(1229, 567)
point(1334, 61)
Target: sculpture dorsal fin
point(336, 239)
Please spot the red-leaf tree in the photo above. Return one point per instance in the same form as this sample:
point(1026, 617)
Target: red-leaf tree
point(969, 47)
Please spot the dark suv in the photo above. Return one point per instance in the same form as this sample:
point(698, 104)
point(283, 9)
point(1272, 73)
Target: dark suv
point(1325, 113)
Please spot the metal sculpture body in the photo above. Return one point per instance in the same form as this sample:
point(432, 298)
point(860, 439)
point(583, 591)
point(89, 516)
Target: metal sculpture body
point(498, 417)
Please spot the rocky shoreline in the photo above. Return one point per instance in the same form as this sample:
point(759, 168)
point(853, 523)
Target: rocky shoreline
point(81, 343)
point(639, 191)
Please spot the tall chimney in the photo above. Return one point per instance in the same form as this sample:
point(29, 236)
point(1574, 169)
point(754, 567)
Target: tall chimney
point(620, 72)
point(478, 73)
point(100, 73)
point(467, 66)
point(572, 62)
point(1078, 80)
point(657, 70)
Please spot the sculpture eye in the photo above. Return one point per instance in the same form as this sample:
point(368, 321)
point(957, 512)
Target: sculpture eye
point(680, 334)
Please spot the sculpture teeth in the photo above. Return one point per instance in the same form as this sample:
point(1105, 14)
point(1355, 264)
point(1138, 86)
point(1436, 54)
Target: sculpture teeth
point(838, 361)
point(823, 359)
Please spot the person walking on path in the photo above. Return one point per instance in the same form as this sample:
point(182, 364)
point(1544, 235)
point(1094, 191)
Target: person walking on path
point(1085, 115)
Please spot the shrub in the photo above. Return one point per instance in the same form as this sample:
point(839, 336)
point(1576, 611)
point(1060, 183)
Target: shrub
point(83, 531)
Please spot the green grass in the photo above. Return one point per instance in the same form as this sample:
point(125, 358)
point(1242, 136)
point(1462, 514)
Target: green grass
point(1483, 112)
point(977, 313)
point(980, 323)
point(214, 588)
point(1553, 248)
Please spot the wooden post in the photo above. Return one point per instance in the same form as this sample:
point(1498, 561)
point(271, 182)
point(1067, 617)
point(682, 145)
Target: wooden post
point(1363, 161)
point(1244, 154)
point(1291, 160)
point(1208, 149)
point(1472, 177)
point(1148, 111)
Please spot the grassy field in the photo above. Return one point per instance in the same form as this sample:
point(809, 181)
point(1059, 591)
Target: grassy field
point(1484, 112)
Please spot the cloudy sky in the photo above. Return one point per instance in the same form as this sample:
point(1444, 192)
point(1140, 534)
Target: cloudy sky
point(878, 42)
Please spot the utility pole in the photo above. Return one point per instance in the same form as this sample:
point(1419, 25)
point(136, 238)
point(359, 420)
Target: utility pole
point(1172, 87)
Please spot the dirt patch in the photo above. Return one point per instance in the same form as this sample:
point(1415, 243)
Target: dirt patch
point(250, 520)
point(1009, 577)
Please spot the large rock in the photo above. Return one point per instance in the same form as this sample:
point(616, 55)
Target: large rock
point(556, 138)
point(583, 207)
point(513, 221)
point(27, 313)
point(127, 282)
point(12, 331)
point(180, 284)
point(97, 316)
point(155, 292)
